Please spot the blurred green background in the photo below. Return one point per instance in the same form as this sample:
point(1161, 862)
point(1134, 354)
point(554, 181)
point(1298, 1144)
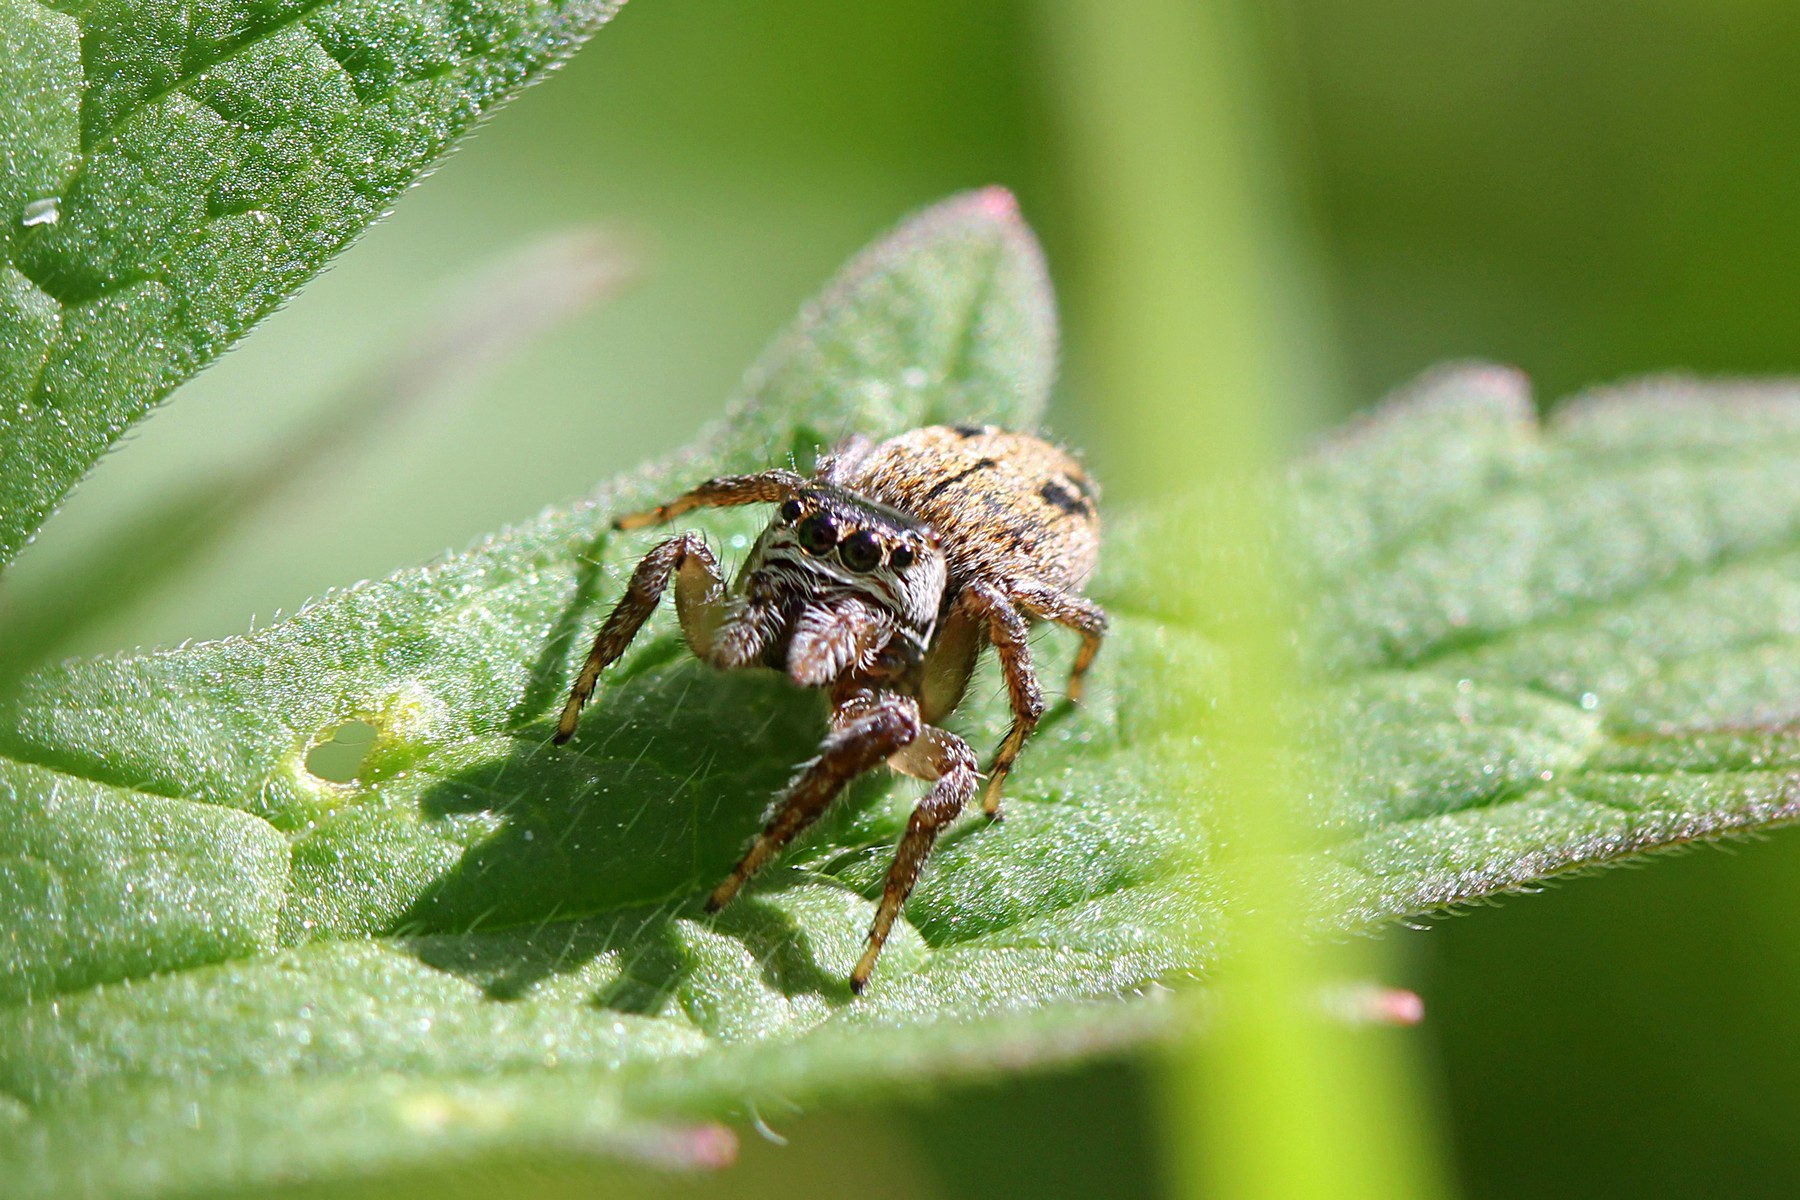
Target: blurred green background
point(1585, 190)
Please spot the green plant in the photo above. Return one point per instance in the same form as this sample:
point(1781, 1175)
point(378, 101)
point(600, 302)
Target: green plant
point(1526, 651)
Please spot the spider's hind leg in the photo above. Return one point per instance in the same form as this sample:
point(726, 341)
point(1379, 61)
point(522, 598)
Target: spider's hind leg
point(1009, 632)
point(1071, 611)
point(700, 600)
point(1005, 609)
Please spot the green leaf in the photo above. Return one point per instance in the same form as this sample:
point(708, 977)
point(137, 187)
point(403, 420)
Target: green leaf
point(170, 173)
point(102, 883)
point(492, 317)
point(1529, 650)
point(531, 885)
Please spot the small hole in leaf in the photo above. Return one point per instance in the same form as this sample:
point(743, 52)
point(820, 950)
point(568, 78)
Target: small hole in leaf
point(338, 757)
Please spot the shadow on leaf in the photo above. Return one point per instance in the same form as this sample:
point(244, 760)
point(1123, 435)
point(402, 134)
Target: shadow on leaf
point(666, 783)
point(595, 850)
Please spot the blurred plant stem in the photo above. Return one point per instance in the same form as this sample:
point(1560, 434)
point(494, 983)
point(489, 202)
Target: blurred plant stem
point(490, 316)
point(1207, 351)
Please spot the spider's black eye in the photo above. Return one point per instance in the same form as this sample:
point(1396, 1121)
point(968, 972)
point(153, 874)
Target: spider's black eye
point(902, 557)
point(790, 511)
point(860, 552)
point(816, 534)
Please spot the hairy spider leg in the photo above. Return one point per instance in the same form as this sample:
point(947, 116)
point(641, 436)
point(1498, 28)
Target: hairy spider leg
point(1069, 610)
point(724, 491)
point(1009, 632)
point(947, 762)
point(841, 462)
point(700, 601)
point(866, 728)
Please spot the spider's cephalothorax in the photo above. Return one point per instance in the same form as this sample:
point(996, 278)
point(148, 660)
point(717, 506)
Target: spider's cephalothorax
point(882, 577)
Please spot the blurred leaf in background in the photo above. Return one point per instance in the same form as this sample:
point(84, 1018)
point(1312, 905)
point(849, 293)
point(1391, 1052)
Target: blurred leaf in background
point(1587, 191)
point(489, 319)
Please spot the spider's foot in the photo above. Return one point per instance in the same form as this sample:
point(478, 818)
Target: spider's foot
point(865, 967)
point(724, 894)
point(990, 799)
point(639, 520)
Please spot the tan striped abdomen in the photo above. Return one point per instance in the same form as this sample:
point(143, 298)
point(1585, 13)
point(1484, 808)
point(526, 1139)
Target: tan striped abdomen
point(1003, 504)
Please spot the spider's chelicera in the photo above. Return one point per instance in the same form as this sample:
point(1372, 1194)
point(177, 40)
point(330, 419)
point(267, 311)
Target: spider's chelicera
point(881, 578)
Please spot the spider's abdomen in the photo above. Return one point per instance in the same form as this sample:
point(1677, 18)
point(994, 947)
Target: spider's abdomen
point(1003, 504)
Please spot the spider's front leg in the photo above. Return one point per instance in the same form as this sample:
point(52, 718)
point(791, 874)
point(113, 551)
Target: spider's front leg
point(724, 491)
point(946, 760)
point(700, 602)
point(866, 727)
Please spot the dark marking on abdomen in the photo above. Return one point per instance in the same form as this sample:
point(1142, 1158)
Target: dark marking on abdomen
point(937, 489)
point(1058, 495)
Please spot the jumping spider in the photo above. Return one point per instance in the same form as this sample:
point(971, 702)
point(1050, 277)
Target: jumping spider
point(881, 577)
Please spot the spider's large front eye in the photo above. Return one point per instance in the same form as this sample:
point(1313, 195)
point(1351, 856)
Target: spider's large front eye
point(861, 552)
point(816, 534)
